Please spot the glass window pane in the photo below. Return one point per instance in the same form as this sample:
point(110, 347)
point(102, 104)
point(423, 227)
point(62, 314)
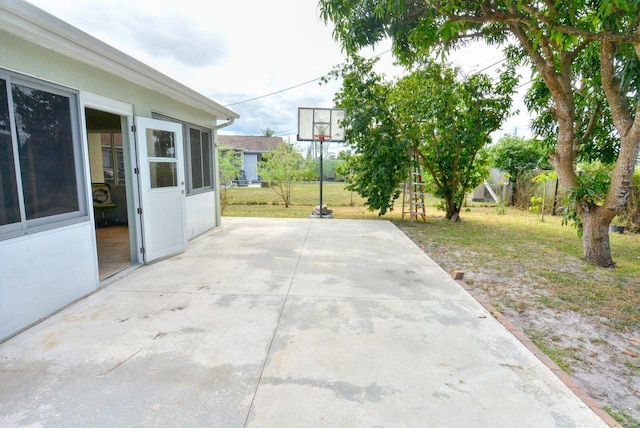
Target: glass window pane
point(163, 174)
point(206, 159)
point(119, 161)
point(107, 158)
point(45, 148)
point(160, 144)
point(9, 208)
point(196, 158)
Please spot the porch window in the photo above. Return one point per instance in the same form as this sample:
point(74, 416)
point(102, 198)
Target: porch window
point(161, 146)
point(112, 158)
point(200, 159)
point(38, 154)
point(198, 155)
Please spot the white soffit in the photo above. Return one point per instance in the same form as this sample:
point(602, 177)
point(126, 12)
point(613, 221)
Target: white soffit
point(33, 24)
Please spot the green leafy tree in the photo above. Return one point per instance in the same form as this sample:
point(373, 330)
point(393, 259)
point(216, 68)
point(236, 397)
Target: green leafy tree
point(387, 121)
point(228, 169)
point(544, 179)
point(515, 155)
point(380, 159)
point(585, 56)
point(268, 132)
point(228, 164)
point(282, 168)
point(450, 128)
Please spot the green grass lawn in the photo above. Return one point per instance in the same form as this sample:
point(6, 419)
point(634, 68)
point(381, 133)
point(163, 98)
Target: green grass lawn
point(264, 202)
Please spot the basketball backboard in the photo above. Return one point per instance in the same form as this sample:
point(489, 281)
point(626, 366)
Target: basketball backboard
point(321, 124)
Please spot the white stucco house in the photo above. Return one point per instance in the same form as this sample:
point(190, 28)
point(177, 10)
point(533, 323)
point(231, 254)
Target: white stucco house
point(76, 113)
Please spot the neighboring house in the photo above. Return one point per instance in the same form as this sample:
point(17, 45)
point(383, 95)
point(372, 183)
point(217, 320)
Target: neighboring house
point(250, 149)
point(75, 112)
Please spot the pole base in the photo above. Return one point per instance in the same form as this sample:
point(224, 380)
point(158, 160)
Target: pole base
point(323, 216)
point(316, 213)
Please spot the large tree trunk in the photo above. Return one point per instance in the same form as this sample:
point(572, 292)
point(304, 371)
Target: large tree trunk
point(595, 237)
point(595, 223)
point(452, 211)
point(595, 220)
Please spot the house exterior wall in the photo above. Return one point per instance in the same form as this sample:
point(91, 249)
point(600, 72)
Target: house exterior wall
point(45, 271)
point(201, 215)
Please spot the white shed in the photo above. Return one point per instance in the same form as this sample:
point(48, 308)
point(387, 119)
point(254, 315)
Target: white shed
point(101, 157)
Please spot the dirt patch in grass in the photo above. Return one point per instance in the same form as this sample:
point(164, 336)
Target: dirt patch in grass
point(584, 318)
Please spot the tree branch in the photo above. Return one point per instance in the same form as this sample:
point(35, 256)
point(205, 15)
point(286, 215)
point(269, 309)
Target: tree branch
point(478, 34)
point(492, 16)
point(433, 173)
point(628, 127)
point(620, 112)
point(593, 120)
point(574, 53)
point(537, 58)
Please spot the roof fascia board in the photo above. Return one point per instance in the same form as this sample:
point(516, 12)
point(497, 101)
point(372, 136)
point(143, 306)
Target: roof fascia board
point(37, 26)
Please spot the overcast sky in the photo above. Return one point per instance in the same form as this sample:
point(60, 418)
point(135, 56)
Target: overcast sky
point(237, 51)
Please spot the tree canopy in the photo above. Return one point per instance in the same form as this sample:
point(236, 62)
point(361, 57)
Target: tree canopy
point(449, 120)
point(515, 154)
point(388, 121)
point(585, 56)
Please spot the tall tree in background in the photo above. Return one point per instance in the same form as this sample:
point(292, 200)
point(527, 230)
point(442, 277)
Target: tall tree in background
point(586, 53)
point(449, 120)
point(515, 155)
point(387, 121)
point(228, 170)
point(268, 132)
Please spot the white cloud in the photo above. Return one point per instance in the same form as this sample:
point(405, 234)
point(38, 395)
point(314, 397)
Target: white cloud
point(233, 51)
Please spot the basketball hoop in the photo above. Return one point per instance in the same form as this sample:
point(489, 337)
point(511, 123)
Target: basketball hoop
point(314, 123)
point(321, 124)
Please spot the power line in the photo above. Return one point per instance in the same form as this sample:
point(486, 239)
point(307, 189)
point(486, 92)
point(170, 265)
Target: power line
point(292, 87)
point(321, 77)
point(276, 92)
point(492, 65)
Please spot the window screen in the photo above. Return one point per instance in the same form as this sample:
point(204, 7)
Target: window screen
point(200, 159)
point(39, 155)
point(9, 206)
point(46, 152)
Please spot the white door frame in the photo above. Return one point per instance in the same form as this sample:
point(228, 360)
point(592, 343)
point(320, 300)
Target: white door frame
point(124, 110)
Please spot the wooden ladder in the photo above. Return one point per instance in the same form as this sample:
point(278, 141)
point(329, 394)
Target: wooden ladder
point(414, 191)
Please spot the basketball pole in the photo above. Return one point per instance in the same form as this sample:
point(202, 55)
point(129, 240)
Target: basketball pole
point(321, 124)
point(321, 150)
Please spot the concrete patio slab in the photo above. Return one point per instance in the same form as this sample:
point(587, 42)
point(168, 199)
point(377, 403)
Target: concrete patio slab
point(282, 323)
